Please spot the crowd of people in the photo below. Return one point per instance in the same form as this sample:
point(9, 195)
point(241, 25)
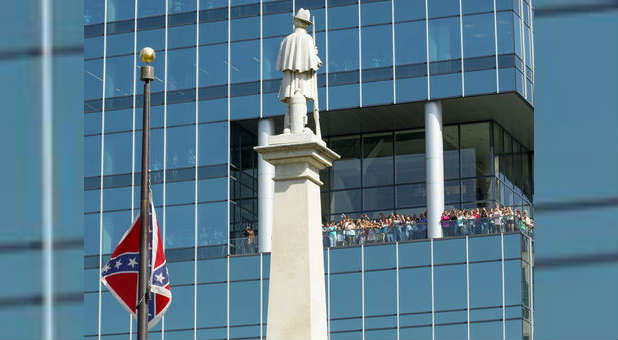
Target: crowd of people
point(399, 227)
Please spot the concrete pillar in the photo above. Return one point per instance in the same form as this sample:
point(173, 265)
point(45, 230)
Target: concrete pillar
point(434, 168)
point(266, 172)
point(296, 294)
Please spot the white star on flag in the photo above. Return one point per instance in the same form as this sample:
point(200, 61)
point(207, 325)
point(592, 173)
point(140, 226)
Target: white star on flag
point(132, 262)
point(118, 264)
point(159, 277)
point(106, 268)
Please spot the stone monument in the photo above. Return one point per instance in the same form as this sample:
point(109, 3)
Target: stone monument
point(297, 298)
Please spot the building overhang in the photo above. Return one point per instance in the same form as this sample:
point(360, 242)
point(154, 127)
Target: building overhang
point(510, 110)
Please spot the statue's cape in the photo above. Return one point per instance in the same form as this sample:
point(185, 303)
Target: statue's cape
point(297, 54)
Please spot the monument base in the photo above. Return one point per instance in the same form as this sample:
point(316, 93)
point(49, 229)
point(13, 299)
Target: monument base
point(297, 298)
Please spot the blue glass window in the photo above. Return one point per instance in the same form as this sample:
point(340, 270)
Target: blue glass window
point(377, 47)
point(444, 39)
point(177, 317)
point(148, 8)
point(212, 223)
point(379, 257)
point(506, 40)
point(446, 85)
point(119, 76)
point(245, 304)
point(479, 82)
point(345, 260)
point(120, 10)
point(212, 189)
point(156, 151)
point(345, 295)
point(181, 147)
point(409, 10)
point(93, 47)
point(450, 287)
point(116, 198)
point(478, 31)
point(208, 4)
point(410, 43)
point(475, 160)
point(344, 96)
point(93, 82)
point(345, 201)
point(245, 28)
point(485, 284)
point(213, 270)
point(213, 110)
point(378, 159)
point(120, 44)
point(346, 171)
point(180, 226)
point(378, 198)
point(212, 143)
point(213, 32)
point(476, 6)
point(380, 293)
point(415, 290)
point(276, 25)
point(181, 69)
point(410, 156)
point(270, 52)
point(113, 315)
point(213, 65)
point(178, 114)
point(342, 17)
point(181, 36)
point(152, 38)
point(513, 280)
point(212, 301)
point(115, 224)
point(93, 11)
point(375, 12)
point(245, 61)
point(343, 50)
point(178, 6)
point(411, 195)
point(517, 33)
point(378, 92)
point(118, 153)
point(443, 8)
point(450, 144)
point(180, 192)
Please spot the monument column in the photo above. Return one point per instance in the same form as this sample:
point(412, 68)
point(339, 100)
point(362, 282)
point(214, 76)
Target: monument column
point(266, 172)
point(434, 168)
point(296, 294)
point(297, 298)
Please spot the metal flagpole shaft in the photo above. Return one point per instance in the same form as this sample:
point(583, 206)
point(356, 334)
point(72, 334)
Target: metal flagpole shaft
point(147, 75)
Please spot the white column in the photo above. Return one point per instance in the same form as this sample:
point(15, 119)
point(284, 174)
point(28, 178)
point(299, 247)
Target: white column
point(296, 295)
point(434, 168)
point(266, 172)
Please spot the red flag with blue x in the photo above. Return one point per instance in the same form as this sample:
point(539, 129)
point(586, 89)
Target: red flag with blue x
point(121, 273)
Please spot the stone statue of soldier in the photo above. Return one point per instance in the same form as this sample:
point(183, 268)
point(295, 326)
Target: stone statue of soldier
point(298, 60)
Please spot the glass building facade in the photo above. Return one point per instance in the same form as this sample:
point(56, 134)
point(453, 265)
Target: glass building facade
point(216, 77)
point(458, 288)
point(41, 247)
point(575, 258)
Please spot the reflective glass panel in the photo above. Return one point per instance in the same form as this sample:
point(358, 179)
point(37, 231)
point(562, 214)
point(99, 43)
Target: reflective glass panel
point(410, 156)
point(346, 171)
point(478, 35)
point(444, 39)
point(475, 150)
point(378, 159)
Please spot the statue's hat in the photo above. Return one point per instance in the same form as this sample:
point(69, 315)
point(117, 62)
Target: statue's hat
point(304, 16)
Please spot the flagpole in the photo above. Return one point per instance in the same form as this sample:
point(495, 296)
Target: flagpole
point(147, 55)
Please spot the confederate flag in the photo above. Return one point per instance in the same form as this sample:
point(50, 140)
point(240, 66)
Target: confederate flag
point(121, 272)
